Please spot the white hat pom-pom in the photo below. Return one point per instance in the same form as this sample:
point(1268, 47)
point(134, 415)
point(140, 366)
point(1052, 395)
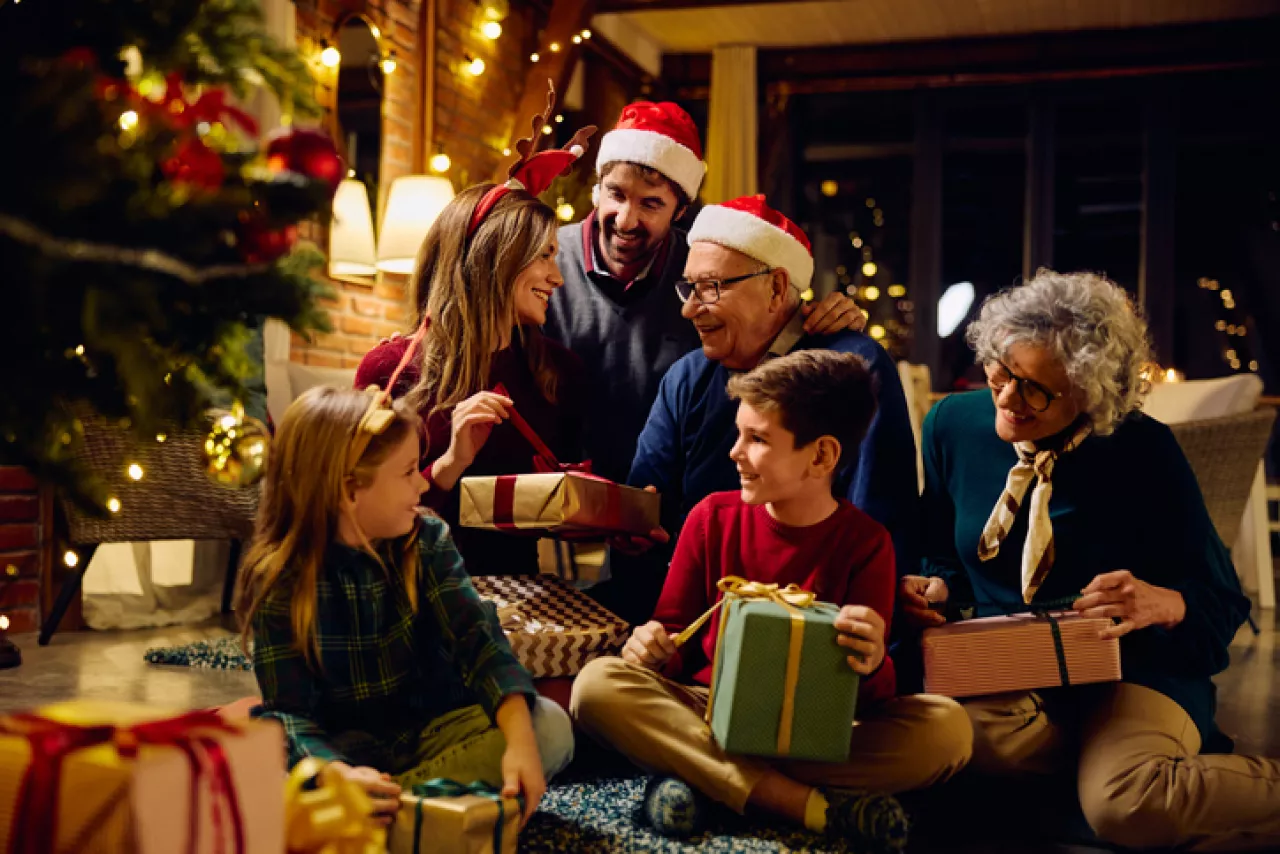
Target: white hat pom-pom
point(577, 150)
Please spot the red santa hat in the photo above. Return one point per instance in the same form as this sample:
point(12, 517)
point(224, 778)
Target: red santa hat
point(751, 227)
point(660, 136)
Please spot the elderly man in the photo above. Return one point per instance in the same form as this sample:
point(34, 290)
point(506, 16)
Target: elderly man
point(747, 267)
point(616, 310)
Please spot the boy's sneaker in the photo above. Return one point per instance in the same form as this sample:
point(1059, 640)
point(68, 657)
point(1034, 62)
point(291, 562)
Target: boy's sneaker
point(872, 821)
point(673, 808)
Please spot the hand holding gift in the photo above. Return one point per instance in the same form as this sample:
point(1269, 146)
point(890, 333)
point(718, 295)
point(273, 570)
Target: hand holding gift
point(383, 792)
point(649, 646)
point(920, 597)
point(1135, 603)
point(522, 773)
point(862, 632)
point(331, 817)
point(637, 545)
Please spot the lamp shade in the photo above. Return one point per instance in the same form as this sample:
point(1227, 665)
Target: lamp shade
point(412, 206)
point(351, 250)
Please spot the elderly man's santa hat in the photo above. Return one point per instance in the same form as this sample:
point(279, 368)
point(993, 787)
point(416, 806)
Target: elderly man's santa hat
point(660, 136)
point(753, 228)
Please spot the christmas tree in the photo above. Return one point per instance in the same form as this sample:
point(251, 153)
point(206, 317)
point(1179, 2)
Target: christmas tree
point(144, 235)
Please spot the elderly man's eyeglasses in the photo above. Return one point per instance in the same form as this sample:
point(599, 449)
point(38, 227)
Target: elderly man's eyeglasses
point(708, 291)
point(1034, 395)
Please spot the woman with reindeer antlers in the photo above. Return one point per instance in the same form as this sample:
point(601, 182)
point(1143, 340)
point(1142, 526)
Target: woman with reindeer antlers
point(484, 275)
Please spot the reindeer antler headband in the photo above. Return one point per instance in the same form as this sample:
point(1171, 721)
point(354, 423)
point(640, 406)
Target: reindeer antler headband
point(534, 171)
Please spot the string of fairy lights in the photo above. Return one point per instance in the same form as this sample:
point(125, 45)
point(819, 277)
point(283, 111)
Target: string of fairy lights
point(1232, 328)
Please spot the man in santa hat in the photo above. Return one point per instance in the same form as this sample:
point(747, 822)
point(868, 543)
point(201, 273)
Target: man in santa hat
point(618, 310)
point(747, 266)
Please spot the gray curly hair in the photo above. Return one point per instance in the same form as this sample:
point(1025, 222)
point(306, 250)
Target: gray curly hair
point(1088, 323)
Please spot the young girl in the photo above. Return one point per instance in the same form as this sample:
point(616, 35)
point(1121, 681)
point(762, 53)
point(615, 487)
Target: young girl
point(371, 646)
point(484, 279)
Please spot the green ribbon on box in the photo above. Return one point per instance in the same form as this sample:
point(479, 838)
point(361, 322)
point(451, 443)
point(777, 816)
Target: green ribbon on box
point(441, 787)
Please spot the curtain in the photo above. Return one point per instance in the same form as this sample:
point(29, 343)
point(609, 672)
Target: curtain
point(733, 131)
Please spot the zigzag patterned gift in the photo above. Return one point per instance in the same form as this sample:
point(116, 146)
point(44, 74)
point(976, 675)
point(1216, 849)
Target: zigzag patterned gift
point(553, 629)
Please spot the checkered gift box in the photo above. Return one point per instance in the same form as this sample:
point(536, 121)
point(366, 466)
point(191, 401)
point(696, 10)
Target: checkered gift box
point(553, 629)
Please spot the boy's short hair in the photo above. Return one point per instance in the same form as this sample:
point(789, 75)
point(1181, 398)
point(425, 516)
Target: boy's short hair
point(815, 393)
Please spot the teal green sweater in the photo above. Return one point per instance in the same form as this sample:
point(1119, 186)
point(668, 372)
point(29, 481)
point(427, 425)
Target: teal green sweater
point(1124, 501)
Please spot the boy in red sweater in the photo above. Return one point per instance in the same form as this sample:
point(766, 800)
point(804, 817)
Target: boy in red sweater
point(800, 419)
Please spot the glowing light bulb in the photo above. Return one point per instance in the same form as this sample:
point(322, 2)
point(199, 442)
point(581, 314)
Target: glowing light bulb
point(128, 120)
point(389, 64)
point(440, 162)
point(896, 291)
point(869, 269)
point(70, 559)
point(331, 57)
point(113, 504)
point(554, 47)
point(546, 129)
point(475, 67)
point(506, 152)
point(829, 188)
point(565, 212)
point(491, 30)
point(135, 471)
point(161, 438)
point(586, 34)
point(577, 39)
point(4, 621)
point(559, 118)
point(871, 293)
point(533, 57)
point(876, 332)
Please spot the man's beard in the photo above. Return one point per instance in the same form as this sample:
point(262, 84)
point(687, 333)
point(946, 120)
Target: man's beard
point(631, 253)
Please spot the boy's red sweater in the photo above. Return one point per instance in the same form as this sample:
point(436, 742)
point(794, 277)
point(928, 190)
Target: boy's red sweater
point(846, 559)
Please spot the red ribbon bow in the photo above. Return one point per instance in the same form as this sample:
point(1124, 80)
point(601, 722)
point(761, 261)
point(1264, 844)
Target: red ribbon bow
point(36, 809)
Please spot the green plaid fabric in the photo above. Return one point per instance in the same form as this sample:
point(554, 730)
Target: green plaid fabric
point(385, 672)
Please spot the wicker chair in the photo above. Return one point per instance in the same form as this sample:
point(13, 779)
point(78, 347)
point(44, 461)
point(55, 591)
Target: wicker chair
point(1224, 454)
point(173, 501)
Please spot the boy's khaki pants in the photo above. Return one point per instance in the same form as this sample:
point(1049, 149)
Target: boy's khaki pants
point(1142, 782)
point(905, 743)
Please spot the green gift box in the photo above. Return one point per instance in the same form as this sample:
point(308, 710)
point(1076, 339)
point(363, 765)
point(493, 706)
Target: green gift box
point(781, 685)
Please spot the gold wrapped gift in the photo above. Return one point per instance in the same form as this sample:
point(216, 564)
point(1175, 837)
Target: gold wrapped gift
point(89, 777)
point(559, 502)
point(445, 817)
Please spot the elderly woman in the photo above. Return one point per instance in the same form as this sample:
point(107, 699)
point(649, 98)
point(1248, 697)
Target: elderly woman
point(1054, 484)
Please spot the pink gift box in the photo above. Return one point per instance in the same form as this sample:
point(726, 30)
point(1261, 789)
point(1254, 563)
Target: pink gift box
point(996, 655)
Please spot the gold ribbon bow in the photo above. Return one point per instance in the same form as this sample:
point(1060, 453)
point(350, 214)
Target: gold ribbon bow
point(793, 599)
point(333, 818)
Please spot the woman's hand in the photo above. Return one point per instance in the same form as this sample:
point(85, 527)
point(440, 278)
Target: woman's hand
point(835, 313)
point(862, 633)
point(649, 646)
point(916, 594)
point(472, 422)
point(1132, 601)
point(381, 789)
point(521, 762)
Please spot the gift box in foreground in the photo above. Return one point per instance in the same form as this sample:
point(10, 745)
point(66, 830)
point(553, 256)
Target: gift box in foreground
point(1020, 652)
point(89, 777)
point(781, 685)
point(553, 629)
point(560, 502)
point(445, 817)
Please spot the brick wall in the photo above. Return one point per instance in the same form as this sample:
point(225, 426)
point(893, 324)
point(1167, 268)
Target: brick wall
point(474, 117)
point(24, 531)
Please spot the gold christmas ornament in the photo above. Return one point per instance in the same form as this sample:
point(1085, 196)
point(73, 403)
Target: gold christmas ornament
point(235, 449)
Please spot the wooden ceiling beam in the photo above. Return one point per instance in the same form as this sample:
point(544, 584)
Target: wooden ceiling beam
point(996, 60)
point(568, 18)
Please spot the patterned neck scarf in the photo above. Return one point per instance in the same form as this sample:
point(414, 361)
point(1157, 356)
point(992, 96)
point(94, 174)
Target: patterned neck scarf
point(1037, 552)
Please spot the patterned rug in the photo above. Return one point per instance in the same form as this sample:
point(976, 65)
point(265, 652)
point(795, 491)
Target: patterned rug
point(597, 816)
point(220, 654)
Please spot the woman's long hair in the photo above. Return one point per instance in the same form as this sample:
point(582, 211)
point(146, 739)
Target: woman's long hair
point(468, 287)
point(302, 501)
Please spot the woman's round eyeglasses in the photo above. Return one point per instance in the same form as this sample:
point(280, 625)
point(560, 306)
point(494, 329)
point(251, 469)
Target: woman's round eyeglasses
point(1033, 394)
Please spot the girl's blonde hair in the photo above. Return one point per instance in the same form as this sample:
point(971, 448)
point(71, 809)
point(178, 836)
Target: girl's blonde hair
point(467, 285)
point(303, 497)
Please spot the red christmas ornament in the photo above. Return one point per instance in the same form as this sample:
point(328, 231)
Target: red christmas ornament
point(307, 152)
point(194, 163)
point(262, 245)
